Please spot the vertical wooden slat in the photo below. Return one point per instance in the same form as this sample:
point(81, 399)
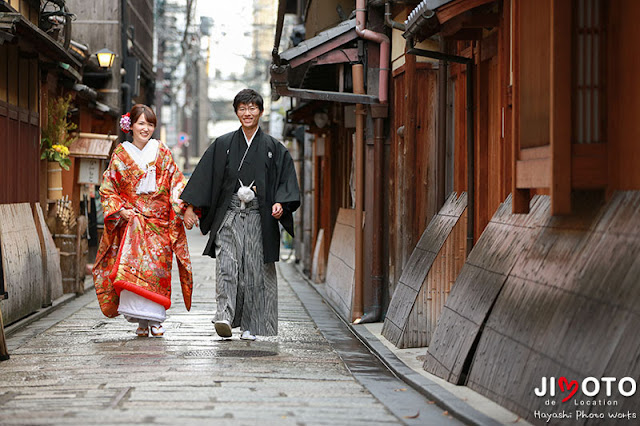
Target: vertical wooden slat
point(4, 77)
point(520, 197)
point(316, 193)
point(23, 83)
point(13, 137)
point(4, 353)
point(327, 223)
point(34, 86)
point(409, 175)
point(506, 113)
point(603, 64)
point(13, 74)
point(5, 159)
point(560, 107)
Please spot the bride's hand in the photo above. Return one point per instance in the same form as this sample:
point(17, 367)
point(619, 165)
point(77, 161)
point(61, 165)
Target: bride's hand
point(127, 214)
point(190, 218)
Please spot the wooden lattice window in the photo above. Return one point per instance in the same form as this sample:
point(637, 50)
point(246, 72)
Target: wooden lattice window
point(589, 71)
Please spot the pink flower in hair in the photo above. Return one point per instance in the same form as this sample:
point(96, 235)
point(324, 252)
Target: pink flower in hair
point(125, 123)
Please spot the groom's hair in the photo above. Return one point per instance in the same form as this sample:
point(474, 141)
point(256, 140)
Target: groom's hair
point(248, 96)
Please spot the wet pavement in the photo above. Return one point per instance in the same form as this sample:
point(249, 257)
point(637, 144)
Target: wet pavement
point(74, 366)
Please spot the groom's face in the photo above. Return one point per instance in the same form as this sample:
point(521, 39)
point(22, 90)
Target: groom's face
point(249, 115)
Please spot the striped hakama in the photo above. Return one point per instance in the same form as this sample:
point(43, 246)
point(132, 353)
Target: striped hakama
point(246, 287)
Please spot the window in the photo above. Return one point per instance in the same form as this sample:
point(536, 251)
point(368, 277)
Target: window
point(589, 66)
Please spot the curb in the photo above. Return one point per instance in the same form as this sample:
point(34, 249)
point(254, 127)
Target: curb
point(43, 312)
point(431, 390)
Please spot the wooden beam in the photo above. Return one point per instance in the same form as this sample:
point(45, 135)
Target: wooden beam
point(455, 8)
point(466, 34)
point(469, 20)
point(538, 153)
point(533, 173)
point(560, 107)
point(520, 197)
point(338, 56)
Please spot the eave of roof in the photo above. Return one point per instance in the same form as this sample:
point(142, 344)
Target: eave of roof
point(18, 25)
point(322, 38)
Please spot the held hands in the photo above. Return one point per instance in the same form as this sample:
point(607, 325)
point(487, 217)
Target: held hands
point(127, 214)
point(276, 210)
point(190, 218)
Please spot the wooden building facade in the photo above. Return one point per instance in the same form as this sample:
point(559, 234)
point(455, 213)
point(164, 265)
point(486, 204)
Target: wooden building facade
point(527, 109)
point(30, 59)
point(39, 62)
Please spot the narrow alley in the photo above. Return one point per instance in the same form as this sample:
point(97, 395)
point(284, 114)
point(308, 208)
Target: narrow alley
point(75, 366)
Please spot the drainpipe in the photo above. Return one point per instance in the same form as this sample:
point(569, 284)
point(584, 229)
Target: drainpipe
point(373, 298)
point(280, 82)
point(468, 62)
point(390, 22)
point(385, 49)
point(373, 306)
point(282, 6)
point(358, 87)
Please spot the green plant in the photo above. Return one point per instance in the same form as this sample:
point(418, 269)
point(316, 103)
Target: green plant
point(56, 136)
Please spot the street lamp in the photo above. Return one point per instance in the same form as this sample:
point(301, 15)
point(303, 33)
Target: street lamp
point(105, 58)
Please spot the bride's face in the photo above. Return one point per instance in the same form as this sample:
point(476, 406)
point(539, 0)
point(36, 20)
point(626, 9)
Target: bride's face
point(142, 129)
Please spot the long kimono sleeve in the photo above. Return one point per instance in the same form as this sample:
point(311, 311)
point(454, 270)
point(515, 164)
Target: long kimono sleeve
point(178, 182)
point(287, 191)
point(112, 201)
point(178, 234)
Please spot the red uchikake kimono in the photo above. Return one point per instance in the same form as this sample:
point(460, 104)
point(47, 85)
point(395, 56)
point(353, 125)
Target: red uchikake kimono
point(137, 255)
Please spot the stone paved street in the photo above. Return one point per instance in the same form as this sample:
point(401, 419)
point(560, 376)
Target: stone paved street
point(75, 366)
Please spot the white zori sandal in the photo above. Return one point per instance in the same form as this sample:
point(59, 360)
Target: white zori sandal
point(157, 330)
point(143, 328)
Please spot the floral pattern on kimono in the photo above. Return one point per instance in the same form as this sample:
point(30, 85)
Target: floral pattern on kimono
point(136, 255)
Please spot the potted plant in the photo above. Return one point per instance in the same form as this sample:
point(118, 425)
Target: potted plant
point(56, 138)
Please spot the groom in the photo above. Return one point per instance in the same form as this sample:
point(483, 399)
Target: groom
point(244, 235)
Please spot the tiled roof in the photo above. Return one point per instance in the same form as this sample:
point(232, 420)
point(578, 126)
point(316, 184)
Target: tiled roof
point(316, 41)
point(422, 12)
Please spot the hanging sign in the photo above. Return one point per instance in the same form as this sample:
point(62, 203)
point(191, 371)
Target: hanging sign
point(90, 171)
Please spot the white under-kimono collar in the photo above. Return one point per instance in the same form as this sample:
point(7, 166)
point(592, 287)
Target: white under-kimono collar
point(145, 158)
point(250, 140)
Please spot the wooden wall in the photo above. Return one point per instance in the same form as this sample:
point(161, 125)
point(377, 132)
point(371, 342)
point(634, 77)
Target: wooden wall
point(624, 99)
point(322, 15)
point(492, 145)
point(412, 180)
point(332, 166)
point(26, 9)
point(492, 169)
point(98, 26)
point(19, 126)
